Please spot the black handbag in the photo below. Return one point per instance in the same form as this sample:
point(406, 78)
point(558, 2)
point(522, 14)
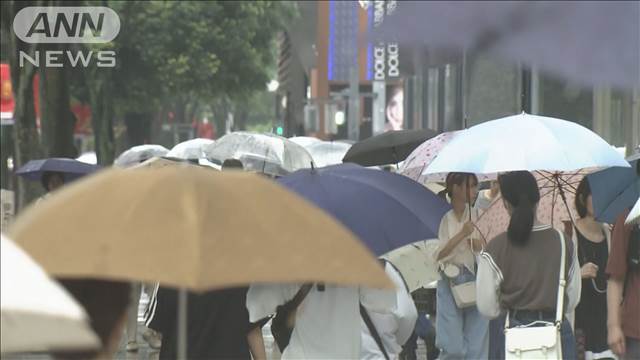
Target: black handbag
point(284, 321)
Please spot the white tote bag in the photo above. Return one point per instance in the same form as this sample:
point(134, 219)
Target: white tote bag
point(539, 339)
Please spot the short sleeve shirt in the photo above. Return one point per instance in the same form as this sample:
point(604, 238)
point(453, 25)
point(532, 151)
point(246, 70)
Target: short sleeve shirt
point(617, 268)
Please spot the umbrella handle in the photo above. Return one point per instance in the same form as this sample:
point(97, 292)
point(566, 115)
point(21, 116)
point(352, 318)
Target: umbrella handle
point(564, 199)
point(182, 323)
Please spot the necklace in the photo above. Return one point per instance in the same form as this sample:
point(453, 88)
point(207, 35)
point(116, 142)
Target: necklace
point(594, 246)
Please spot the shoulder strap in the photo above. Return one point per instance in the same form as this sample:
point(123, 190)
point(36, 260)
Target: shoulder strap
point(373, 331)
point(384, 262)
point(562, 283)
point(300, 296)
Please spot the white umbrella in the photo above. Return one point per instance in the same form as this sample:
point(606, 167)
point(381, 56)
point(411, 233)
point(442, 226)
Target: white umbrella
point(325, 153)
point(37, 313)
point(525, 142)
point(140, 153)
point(634, 215)
point(304, 141)
point(88, 158)
point(416, 262)
point(191, 149)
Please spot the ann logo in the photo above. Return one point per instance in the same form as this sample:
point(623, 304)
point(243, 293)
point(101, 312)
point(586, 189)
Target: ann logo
point(71, 28)
point(66, 24)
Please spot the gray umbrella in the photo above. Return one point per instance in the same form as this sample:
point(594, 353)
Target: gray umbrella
point(272, 149)
point(590, 42)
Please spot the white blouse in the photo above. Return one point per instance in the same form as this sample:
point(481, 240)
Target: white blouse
point(449, 226)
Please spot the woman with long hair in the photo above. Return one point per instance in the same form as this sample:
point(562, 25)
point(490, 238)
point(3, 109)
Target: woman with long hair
point(520, 269)
point(461, 331)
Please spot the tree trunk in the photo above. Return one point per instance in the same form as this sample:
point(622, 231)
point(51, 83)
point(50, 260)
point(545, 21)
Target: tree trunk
point(100, 85)
point(26, 138)
point(56, 119)
point(138, 128)
point(241, 119)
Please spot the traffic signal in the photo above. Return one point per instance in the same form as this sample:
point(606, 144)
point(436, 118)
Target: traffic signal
point(279, 130)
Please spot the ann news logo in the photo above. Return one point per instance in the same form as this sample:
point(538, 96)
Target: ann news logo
point(71, 25)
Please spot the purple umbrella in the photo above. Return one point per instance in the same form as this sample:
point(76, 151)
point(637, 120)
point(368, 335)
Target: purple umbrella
point(70, 168)
point(591, 42)
point(385, 210)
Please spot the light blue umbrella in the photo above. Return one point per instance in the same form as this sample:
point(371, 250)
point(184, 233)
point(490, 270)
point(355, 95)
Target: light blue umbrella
point(525, 142)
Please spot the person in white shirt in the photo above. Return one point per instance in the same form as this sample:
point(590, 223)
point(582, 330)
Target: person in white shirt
point(394, 328)
point(327, 322)
point(461, 331)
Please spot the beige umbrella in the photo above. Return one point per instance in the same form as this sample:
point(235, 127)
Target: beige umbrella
point(191, 227)
point(37, 313)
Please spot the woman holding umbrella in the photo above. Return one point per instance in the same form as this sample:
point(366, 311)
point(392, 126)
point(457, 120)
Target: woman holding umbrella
point(461, 331)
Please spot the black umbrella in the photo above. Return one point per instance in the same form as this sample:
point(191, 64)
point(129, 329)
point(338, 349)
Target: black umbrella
point(390, 147)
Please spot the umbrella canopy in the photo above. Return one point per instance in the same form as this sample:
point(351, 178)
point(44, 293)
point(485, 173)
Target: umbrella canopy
point(191, 149)
point(37, 313)
point(270, 148)
point(615, 190)
point(88, 158)
point(385, 210)
point(194, 228)
point(325, 153)
point(390, 147)
point(552, 208)
point(424, 155)
point(525, 142)
point(416, 263)
point(72, 169)
point(589, 42)
point(159, 162)
point(140, 153)
point(634, 214)
point(304, 141)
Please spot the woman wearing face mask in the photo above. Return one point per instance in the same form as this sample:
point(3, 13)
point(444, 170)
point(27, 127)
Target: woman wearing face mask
point(461, 331)
point(520, 269)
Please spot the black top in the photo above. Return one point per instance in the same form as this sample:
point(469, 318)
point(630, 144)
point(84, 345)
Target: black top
point(591, 313)
point(218, 323)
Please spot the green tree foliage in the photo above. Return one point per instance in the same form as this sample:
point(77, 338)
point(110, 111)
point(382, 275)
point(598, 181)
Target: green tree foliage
point(179, 55)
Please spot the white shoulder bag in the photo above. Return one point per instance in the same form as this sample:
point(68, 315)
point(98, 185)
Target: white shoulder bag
point(533, 341)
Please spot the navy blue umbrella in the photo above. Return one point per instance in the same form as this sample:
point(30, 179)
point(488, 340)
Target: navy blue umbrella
point(385, 210)
point(614, 190)
point(70, 168)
